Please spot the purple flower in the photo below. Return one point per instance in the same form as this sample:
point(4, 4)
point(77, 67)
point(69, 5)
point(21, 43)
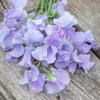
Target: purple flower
point(81, 40)
point(40, 20)
point(59, 82)
point(26, 60)
point(94, 46)
point(89, 37)
point(83, 60)
point(26, 41)
point(72, 67)
point(76, 38)
point(65, 21)
point(56, 36)
point(37, 86)
point(84, 48)
point(17, 52)
point(45, 53)
point(34, 79)
point(4, 31)
point(31, 75)
point(34, 73)
point(16, 12)
point(11, 14)
point(59, 6)
point(6, 35)
point(64, 56)
point(12, 18)
point(18, 4)
point(26, 78)
point(32, 36)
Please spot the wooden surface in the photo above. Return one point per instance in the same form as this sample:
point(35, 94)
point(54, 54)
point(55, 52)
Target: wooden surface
point(82, 87)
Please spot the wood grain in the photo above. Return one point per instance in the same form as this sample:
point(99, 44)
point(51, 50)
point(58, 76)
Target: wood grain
point(82, 86)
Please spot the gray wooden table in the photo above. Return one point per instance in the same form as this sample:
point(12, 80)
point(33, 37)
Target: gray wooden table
point(82, 86)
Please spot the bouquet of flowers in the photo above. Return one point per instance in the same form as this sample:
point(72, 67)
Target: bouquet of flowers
point(48, 38)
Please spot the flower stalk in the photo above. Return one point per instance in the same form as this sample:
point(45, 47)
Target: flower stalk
point(49, 75)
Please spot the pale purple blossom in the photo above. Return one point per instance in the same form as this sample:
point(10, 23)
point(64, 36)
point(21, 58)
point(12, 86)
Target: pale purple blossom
point(83, 60)
point(59, 7)
point(6, 35)
point(38, 85)
point(59, 82)
point(65, 21)
point(34, 79)
point(80, 40)
point(45, 53)
point(18, 51)
point(64, 56)
point(18, 4)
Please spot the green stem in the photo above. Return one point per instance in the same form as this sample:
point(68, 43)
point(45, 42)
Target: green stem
point(49, 8)
point(49, 75)
point(39, 11)
point(46, 5)
point(34, 45)
point(37, 6)
point(15, 28)
point(47, 21)
point(54, 1)
point(43, 67)
point(38, 64)
point(22, 22)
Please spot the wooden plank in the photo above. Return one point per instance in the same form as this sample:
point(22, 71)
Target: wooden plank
point(31, 5)
point(87, 12)
point(1, 12)
point(82, 87)
point(3, 5)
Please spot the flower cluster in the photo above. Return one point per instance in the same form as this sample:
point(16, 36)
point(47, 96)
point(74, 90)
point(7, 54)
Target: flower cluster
point(50, 39)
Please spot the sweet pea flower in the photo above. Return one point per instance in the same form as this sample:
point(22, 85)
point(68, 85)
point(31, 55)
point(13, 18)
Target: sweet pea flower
point(89, 37)
point(59, 82)
point(17, 9)
point(56, 36)
point(52, 42)
point(65, 21)
point(34, 79)
point(18, 4)
point(80, 40)
point(64, 56)
point(59, 7)
point(12, 17)
point(37, 86)
point(83, 60)
point(94, 46)
point(26, 41)
point(76, 38)
point(45, 53)
point(17, 52)
point(26, 60)
point(6, 35)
